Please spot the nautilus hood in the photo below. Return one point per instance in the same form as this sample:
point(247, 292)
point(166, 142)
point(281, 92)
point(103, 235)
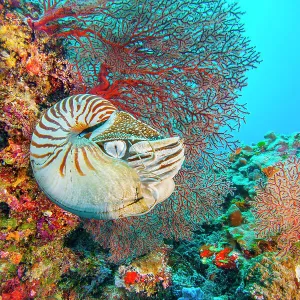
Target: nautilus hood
point(101, 163)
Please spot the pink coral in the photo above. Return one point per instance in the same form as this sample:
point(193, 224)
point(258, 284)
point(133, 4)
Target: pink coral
point(277, 206)
point(179, 65)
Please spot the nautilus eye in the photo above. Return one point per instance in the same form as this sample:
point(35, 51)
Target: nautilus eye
point(115, 149)
point(98, 162)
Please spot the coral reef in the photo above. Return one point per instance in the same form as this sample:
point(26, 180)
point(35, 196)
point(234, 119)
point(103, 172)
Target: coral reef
point(46, 255)
point(251, 163)
point(255, 271)
point(269, 277)
point(32, 255)
point(29, 73)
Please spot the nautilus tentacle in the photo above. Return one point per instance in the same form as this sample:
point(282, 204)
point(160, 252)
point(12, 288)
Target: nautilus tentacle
point(98, 162)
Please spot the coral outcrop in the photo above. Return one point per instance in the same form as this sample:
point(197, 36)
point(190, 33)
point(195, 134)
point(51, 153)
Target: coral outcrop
point(32, 255)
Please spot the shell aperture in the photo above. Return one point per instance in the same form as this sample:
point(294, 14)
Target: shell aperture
point(97, 162)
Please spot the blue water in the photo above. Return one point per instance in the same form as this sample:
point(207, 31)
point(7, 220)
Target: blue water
point(273, 91)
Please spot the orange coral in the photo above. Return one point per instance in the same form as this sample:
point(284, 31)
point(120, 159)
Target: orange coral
point(15, 258)
point(33, 67)
point(270, 171)
point(238, 151)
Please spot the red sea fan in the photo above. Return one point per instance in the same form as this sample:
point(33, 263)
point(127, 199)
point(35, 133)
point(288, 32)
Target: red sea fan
point(277, 206)
point(179, 66)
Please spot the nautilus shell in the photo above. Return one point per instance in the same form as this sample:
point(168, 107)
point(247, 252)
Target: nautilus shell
point(98, 162)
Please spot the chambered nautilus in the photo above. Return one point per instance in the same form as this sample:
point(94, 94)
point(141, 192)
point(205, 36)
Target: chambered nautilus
point(98, 162)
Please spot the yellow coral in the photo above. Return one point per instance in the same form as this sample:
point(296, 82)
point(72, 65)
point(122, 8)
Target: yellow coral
point(13, 38)
point(10, 61)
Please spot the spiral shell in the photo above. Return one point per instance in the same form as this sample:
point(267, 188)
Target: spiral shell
point(101, 163)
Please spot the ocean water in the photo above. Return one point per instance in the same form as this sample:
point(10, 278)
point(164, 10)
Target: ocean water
point(273, 94)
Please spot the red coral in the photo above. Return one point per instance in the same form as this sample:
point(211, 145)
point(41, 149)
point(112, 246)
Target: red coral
point(131, 277)
point(54, 11)
point(224, 261)
point(14, 295)
point(277, 206)
point(177, 64)
point(14, 290)
point(206, 253)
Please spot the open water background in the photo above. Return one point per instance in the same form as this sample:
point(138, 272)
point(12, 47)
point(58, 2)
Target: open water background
point(273, 91)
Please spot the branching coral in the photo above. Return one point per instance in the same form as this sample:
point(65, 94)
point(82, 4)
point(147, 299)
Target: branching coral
point(277, 206)
point(179, 65)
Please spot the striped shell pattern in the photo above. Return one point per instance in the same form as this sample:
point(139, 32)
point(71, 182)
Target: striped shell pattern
point(98, 162)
